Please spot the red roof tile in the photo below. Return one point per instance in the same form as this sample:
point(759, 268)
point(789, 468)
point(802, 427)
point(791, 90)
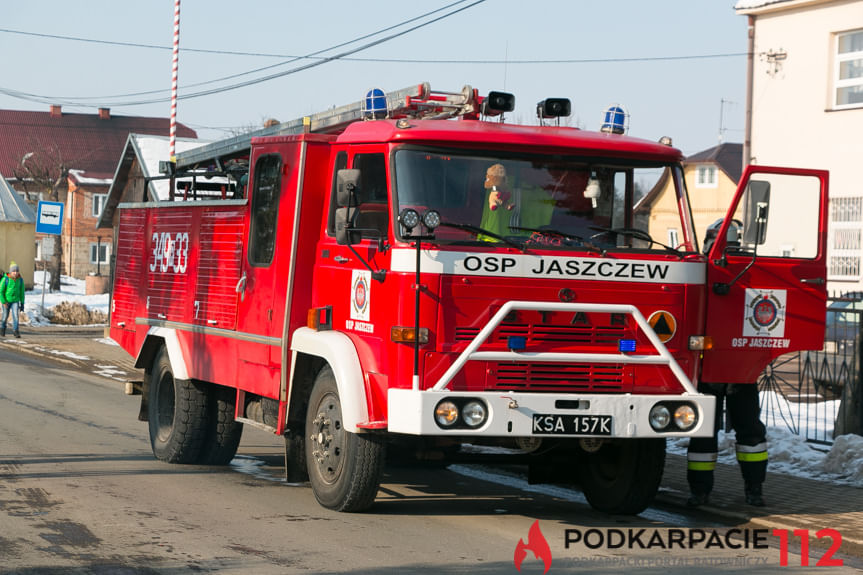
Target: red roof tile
point(84, 141)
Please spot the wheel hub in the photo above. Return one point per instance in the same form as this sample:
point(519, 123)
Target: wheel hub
point(327, 437)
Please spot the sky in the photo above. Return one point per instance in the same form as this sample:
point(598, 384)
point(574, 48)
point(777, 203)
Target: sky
point(678, 66)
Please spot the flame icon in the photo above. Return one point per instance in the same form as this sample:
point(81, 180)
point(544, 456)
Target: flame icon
point(535, 542)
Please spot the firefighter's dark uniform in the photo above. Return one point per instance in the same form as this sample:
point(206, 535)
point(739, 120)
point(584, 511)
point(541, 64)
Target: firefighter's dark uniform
point(741, 402)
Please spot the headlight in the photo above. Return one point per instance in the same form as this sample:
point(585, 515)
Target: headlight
point(659, 417)
point(473, 413)
point(446, 413)
point(685, 417)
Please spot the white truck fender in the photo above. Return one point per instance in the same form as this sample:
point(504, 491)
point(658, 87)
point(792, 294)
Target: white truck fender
point(338, 350)
point(175, 353)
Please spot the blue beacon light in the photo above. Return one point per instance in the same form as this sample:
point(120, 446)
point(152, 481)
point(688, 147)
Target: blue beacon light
point(616, 120)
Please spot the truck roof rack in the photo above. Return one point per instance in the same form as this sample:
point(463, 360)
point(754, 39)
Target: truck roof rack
point(418, 101)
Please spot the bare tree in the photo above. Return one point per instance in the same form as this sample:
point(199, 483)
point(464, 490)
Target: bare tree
point(44, 171)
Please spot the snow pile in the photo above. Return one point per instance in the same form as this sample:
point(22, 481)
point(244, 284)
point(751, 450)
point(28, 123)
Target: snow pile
point(846, 458)
point(71, 291)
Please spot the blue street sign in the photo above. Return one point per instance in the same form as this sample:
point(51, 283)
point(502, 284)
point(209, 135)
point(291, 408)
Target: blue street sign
point(49, 218)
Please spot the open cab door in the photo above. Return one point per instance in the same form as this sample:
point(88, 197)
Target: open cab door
point(766, 273)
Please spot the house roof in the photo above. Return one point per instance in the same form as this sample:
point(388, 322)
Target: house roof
point(89, 143)
point(729, 158)
point(148, 150)
point(758, 7)
point(13, 208)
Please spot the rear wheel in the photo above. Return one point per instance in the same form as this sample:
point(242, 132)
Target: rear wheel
point(623, 476)
point(223, 431)
point(177, 414)
point(344, 468)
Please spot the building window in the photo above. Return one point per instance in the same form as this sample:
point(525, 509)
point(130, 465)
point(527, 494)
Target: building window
point(846, 232)
point(99, 204)
point(98, 253)
point(705, 177)
point(848, 71)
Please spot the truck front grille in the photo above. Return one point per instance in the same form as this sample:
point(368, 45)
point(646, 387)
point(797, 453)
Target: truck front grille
point(570, 377)
point(548, 333)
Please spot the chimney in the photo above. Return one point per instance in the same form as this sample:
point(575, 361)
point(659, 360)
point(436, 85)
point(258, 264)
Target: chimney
point(104, 113)
point(56, 111)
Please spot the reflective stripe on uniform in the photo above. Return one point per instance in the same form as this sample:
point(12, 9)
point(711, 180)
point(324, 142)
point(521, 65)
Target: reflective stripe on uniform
point(695, 456)
point(700, 465)
point(752, 448)
point(752, 452)
point(762, 456)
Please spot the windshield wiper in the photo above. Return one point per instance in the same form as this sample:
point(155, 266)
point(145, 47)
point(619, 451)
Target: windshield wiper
point(552, 232)
point(477, 231)
point(637, 234)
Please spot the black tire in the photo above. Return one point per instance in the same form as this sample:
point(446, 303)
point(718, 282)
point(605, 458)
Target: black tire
point(224, 432)
point(345, 469)
point(624, 475)
point(177, 413)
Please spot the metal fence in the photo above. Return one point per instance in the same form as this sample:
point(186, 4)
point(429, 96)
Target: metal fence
point(816, 394)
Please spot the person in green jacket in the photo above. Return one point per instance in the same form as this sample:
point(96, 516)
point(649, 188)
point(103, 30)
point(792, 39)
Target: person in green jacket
point(12, 298)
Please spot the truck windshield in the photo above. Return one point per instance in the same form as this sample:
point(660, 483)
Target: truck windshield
point(592, 204)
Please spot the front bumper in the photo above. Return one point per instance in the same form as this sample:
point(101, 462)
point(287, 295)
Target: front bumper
point(512, 414)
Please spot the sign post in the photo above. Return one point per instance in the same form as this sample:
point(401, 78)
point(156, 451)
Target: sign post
point(49, 220)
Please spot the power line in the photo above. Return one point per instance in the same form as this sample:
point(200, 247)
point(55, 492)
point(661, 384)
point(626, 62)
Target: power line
point(294, 57)
point(76, 100)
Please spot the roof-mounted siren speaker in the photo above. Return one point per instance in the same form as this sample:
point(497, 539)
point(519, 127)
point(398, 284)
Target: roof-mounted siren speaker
point(553, 108)
point(497, 103)
point(615, 120)
point(375, 105)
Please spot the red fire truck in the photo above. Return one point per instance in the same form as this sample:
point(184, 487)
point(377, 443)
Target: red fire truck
point(411, 272)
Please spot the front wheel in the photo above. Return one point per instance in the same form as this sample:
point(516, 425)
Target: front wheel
point(345, 469)
point(624, 475)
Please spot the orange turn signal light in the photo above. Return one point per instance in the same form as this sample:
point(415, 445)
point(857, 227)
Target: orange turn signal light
point(409, 334)
point(700, 342)
point(320, 318)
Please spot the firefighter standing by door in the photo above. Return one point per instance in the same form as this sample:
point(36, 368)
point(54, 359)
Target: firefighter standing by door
point(741, 402)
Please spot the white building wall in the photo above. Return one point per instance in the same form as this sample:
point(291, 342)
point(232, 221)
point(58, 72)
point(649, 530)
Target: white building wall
point(793, 120)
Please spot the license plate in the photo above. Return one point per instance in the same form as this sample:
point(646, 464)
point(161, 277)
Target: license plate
point(557, 424)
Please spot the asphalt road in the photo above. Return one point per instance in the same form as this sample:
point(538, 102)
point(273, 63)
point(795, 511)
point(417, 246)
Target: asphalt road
point(81, 493)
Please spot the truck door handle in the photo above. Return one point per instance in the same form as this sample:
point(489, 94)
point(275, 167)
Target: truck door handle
point(341, 259)
point(241, 287)
point(816, 281)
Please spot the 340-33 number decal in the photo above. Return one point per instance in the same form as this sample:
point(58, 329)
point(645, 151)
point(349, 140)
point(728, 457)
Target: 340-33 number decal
point(170, 253)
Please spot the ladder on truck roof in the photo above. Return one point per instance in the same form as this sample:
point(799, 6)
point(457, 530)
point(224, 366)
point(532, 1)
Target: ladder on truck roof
point(417, 101)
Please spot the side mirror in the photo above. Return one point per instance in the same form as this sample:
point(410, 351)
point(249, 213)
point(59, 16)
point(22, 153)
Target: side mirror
point(756, 212)
point(345, 232)
point(347, 186)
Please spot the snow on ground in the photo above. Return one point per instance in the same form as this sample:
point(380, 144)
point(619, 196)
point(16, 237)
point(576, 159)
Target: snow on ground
point(71, 290)
point(789, 453)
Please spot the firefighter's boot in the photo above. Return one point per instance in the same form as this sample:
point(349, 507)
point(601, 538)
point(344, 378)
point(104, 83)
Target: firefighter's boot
point(753, 495)
point(698, 499)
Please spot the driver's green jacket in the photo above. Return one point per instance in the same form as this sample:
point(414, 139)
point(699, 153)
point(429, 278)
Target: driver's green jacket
point(532, 208)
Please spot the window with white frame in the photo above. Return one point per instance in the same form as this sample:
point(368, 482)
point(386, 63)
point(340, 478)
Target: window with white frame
point(705, 177)
point(99, 253)
point(846, 232)
point(848, 70)
point(99, 204)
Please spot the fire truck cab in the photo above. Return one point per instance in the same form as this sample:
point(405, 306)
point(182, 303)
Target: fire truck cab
point(410, 273)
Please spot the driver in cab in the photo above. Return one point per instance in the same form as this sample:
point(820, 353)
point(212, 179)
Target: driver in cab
point(507, 207)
